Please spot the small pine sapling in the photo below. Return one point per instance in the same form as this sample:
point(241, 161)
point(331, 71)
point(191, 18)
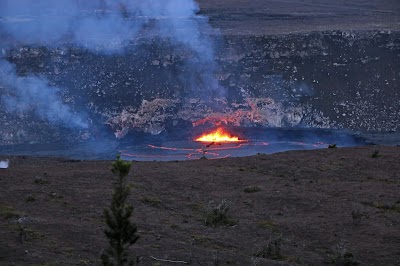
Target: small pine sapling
point(121, 232)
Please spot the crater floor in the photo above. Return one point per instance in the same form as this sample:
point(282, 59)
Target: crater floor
point(260, 17)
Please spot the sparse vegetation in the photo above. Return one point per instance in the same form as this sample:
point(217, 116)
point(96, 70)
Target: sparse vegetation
point(33, 234)
point(253, 169)
point(358, 215)
point(176, 230)
point(8, 212)
point(201, 239)
point(40, 180)
point(384, 206)
point(216, 260)
point(174, 226)
point(252, 189)
point(27, 234)
point(272, 250)
point(151, 201)
point(254, 261)
point(217, 215)
point(196, 206)
point(332, 146)
point(30, 198)
point(266, 224)
point(85, 262)
point(121, 232)
point(343, 257)
point(375, 154)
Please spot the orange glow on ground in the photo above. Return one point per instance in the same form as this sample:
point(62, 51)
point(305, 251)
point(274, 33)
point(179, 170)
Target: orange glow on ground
point(219, 135)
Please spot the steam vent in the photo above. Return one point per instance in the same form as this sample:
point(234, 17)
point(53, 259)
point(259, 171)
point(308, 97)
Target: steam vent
point(76, 71)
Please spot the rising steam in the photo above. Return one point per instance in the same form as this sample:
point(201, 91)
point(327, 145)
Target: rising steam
point(100, 26)
point(33, 93)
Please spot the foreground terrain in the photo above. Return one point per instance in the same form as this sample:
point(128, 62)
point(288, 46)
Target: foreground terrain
point(317, 207)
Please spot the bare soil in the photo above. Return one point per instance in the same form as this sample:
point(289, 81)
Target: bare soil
point(327, 206)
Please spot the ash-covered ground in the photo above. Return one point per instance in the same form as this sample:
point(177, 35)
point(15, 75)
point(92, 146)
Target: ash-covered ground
point(329, 207)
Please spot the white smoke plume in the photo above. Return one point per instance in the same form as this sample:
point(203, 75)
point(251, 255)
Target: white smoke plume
point(100, 26)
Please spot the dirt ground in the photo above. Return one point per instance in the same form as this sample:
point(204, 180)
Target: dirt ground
point(322, 206)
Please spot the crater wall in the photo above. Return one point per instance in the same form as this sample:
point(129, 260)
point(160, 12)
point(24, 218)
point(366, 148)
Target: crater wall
point(331, 79)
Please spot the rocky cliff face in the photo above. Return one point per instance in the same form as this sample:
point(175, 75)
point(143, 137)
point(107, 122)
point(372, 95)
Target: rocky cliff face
point(339, 79)
point(332, 79)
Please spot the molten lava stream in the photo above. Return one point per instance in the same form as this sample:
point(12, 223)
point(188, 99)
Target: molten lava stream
point(219, 135)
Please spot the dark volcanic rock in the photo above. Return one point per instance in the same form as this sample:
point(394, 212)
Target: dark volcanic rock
point(349, 79)
point(332, 79)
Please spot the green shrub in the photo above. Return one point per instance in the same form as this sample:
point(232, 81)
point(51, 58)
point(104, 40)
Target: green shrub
point(375, 154)
point(8, 212)
point(151, 201)
point(217, 215)
point(121, 233)
point(266, 224)
point(272, 250)
point(343, 257)
point(41, 180)
point(252, 189)
point(30, 198)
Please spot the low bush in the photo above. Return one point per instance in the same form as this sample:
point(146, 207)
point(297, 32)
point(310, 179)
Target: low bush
point(272, 250)
point(217, 214)
point(252, 189)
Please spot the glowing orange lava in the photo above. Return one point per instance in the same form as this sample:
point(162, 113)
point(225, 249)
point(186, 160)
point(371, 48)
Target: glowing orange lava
point(219, 135)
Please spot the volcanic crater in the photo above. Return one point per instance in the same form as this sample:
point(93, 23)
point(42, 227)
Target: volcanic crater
point(253, 80)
